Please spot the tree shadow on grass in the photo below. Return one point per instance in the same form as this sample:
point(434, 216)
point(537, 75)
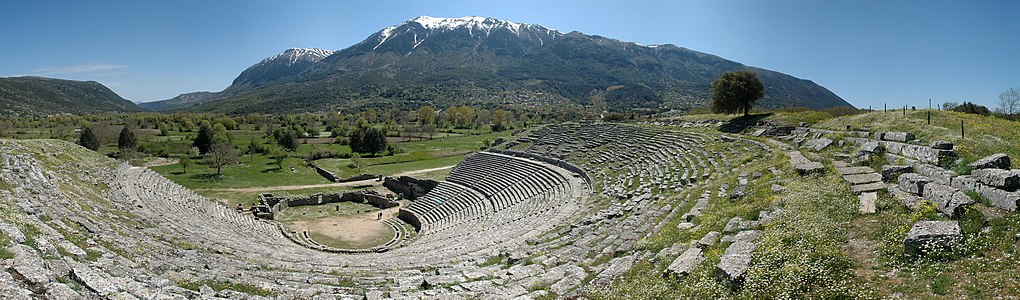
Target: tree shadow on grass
point(273, 169)
point(738, 125)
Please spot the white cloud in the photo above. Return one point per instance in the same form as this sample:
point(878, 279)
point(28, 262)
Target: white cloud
point(77, 69)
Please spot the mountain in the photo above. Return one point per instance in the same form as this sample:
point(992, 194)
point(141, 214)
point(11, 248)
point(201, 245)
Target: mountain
point(476, 59)
point(31, 95)
point(181, 101)
point(269, 71)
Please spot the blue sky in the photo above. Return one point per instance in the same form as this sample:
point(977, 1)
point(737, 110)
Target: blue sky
point(868, 52)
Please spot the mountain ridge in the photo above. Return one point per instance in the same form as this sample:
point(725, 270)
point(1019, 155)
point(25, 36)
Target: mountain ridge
point(32, 95)
point(475, 58)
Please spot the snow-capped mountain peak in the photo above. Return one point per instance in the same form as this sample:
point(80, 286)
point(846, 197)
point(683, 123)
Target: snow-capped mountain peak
point(474, 25)
point(473, 22)
point(293, 55)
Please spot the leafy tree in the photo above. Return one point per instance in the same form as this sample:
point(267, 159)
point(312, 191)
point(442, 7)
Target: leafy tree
point(252, 149)
point(127, 140)
point(278, 157)
point(88, 139)
point(949, 105)
point(971, 108)
point(499, 120)
point(220, 134)
point(286, 138)
point(184, 162)
point(375, 140)
point(736, 91)
point(426, 115)
point(219, 155)
point(371, 140)
point(204, 139)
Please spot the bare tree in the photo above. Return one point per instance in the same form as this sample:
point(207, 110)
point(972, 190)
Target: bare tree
point(219, 155)
point(1009, 101)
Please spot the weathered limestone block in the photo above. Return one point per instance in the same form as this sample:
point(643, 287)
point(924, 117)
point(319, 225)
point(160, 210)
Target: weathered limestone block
point(867, 187)
point(898, 136)
point(733, 265)
point(95, 281)
point(935, 173)
point(12, 233)
point(854, 170)
point(709, 239)
point(927, 154)
point(56, 290)
point(686, 263)
point(802, 164)
point(867, 201)
point(996, 197)
point(929, 236)
point(863, 178)
point(893, 171)
point(942, 145)
point(30, 266)
point(10, 290)
point(733, 225)
point(818, 144)
point(913, 183)
point(872, 147)
point(994, 161)
point(948, 200)
point(1003, 179)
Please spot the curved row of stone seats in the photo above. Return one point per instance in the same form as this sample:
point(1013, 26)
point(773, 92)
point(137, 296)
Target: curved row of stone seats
point(505, 181)
point(186, 211)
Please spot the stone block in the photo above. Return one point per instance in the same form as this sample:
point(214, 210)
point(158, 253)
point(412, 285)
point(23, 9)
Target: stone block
point(686, 263)
point(709, 239)
point(867, 201)
point(898, 136)
point(733, 265)
point(867, 187)
point(994, 161)
point(818, 144)
point(12, 233)
point(942, 145)
point(928, 236)
point(913, 183)
point(872, 147)
point(893, 171)
point(999, 178)
point(854, 170)
point(948, 200)
point(863, 178)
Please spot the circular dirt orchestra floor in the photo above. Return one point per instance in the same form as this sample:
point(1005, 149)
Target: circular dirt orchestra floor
point(357, 231)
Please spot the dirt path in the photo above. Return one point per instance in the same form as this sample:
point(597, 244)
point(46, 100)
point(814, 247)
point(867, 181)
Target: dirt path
point(372, 182)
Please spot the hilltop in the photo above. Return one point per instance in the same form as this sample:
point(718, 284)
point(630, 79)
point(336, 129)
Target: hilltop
point(37, 96)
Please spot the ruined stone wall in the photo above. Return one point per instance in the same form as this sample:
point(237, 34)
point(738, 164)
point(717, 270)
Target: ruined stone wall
point(410, 187)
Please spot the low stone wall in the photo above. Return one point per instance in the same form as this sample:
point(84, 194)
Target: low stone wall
point(924, 154)
point(410, 187)
point(326, 173)
point(334, 178)
point(410, 218)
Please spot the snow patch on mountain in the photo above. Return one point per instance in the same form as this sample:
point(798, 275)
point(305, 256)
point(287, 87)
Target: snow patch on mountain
point(293, 55)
